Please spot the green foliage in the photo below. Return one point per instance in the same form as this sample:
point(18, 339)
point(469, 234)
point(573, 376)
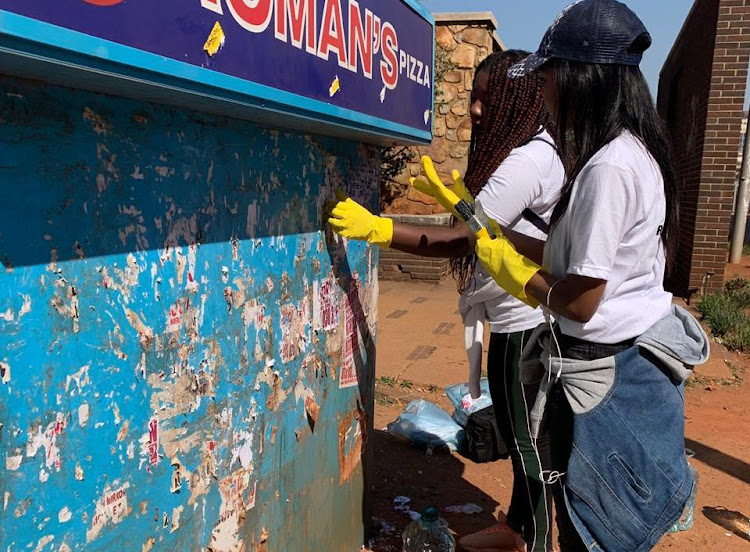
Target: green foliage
point(406, 384)
point(738, 289)
point(739, 339)
point(387, 381)
point(726, 313)
point(384, 400)
point(443, 65)
point(721, 313)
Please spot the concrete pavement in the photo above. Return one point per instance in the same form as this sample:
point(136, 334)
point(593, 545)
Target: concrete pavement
point(420, 336)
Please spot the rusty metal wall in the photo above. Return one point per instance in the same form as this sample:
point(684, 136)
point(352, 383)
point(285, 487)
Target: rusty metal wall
point(187, 359)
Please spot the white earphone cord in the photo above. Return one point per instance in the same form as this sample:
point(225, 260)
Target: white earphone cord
point(548, 317)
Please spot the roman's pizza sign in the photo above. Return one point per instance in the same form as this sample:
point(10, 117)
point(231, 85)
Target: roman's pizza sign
point(360, 62)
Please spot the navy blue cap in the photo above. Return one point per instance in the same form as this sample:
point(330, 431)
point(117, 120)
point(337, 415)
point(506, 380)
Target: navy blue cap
point(590, 31)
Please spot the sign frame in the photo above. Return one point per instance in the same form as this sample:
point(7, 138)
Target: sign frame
point(34, 49)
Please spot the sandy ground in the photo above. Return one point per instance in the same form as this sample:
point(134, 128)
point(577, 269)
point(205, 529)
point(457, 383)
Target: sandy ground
point(420, 352)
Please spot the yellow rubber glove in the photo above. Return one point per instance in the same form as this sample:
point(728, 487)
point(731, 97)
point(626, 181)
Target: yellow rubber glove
point(460, 188)
point(435, 188)
point(352, 221)
point(421, 185)
point(461, 208)
point(511, 270)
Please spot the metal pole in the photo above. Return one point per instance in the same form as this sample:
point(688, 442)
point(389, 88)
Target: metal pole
point(740, 210)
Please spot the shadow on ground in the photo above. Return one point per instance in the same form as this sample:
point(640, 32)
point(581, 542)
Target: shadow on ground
point(727, 463)
point(428, 480)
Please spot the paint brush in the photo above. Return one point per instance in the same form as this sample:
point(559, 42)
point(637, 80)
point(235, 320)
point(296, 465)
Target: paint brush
point(446, 197)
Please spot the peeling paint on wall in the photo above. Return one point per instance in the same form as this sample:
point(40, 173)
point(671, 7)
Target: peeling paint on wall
point(351, 348)
point(237, 498)
point(44, 442)
point(111, 508)
point(4, 372)
point(350, 446)
point(326, 308)
point(185, 351)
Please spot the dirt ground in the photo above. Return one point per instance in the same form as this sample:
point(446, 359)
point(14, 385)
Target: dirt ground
point(420, 352)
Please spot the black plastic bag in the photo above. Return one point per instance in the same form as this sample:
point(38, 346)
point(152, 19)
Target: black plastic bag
point(483, 442)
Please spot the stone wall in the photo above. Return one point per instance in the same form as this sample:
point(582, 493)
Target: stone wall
point(463, 40)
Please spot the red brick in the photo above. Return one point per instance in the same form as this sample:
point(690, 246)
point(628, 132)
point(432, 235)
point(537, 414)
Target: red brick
point(713, 76)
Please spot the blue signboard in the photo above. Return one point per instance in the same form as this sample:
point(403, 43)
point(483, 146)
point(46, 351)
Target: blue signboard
point(365, 65)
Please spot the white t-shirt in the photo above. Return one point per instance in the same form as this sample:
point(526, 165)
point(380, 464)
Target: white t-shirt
point(529, 178)
point(612, 231)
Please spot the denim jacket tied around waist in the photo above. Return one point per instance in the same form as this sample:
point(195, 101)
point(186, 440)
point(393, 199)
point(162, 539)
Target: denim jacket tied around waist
point(627, 478)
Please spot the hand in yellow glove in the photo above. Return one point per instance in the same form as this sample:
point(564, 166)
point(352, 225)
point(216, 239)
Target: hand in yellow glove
point(352, 221)
point(434, 187)
point(459, 187)
point(511, 270)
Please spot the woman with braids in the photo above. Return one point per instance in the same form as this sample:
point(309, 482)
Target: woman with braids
point(513, 167)
point(613, 364)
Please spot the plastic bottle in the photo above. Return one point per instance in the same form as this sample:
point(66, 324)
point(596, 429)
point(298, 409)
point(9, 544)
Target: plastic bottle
point(430, 533)
point(685, 523)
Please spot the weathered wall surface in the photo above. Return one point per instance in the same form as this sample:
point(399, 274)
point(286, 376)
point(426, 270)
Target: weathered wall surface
point(186, 359)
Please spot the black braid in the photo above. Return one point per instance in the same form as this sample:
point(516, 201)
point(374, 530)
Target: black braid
point(512, 115)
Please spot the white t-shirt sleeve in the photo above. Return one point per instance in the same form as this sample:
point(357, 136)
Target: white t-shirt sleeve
point(514, 186)
point(604, 207)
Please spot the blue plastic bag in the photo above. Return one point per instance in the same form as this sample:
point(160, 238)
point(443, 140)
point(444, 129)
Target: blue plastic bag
point(426, 424)
point(463, 403)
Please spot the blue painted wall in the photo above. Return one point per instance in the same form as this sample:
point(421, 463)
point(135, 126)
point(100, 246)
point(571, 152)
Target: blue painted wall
point(186, 357)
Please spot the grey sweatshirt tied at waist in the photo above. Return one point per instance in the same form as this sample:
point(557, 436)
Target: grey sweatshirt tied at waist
point(677, 341)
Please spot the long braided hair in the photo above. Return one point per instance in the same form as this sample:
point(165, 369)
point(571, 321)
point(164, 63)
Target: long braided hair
point(512, 114)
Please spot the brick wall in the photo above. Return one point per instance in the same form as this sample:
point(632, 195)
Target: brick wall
point(701, 95)
point(395, 265)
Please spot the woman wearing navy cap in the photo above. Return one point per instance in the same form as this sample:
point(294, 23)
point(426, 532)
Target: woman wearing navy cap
point(614, 361)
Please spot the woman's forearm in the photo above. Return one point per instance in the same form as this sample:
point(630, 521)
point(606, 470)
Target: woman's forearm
point(527, 246)
point(575, 297)
point(433, 241)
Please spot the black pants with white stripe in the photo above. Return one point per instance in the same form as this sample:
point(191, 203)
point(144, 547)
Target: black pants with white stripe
point(530, 509)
